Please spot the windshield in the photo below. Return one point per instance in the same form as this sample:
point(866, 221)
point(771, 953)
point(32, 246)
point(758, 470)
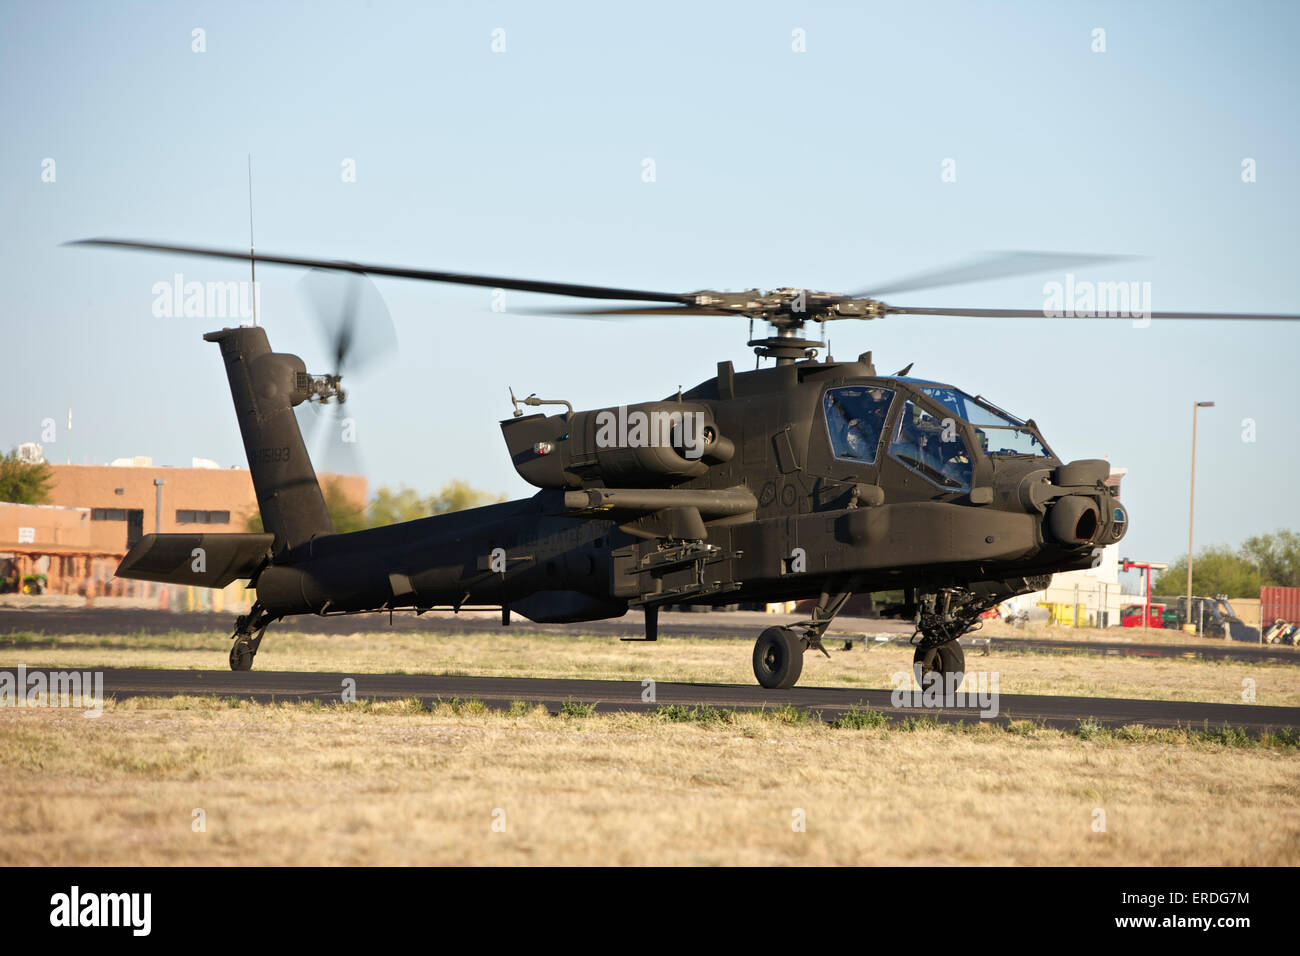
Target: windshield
point(997, 432)
point(932, 447)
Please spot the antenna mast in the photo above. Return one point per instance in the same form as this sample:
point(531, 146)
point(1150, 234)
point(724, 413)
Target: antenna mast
point(252, 262)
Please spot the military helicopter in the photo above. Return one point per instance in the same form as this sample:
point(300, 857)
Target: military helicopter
point(804, 479)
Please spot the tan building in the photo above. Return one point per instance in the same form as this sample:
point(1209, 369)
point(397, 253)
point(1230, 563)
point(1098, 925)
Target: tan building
point(97, 512)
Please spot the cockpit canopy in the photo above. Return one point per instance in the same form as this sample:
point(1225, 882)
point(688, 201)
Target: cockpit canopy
point(924, 439)
point(999, 434)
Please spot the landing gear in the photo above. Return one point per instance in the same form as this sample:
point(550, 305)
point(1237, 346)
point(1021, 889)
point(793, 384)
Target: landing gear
point(778, 657)
point(241, 654)
point(778, 652)
point(942, 617)
point(945, 661)
point(249, 629)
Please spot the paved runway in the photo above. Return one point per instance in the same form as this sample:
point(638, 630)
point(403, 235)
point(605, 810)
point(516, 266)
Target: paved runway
point(736, 625)
point(499, 692)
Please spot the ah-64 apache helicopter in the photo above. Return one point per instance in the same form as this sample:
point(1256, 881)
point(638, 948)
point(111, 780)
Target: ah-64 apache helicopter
point(804, 479)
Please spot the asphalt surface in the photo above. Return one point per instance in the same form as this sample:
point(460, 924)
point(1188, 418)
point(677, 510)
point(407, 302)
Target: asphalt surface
point(500, 692)
point(81, 620)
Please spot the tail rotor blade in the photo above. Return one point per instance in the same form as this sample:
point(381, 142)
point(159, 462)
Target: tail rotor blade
point(352, 316)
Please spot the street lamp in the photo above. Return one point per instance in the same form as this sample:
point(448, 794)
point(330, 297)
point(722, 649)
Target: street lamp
point(157, 506)
point(1191, 510)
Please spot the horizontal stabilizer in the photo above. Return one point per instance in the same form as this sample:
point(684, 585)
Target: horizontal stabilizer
point(202, 560)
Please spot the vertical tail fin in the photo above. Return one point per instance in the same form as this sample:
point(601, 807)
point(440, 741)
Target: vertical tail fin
point(266, 386)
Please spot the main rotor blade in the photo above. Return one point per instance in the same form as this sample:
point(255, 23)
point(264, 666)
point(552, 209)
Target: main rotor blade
point(457, 278)
point(997, 265)
point(664, 310)
point(1041, 314)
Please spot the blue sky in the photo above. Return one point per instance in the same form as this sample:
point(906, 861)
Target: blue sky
point(818, 169)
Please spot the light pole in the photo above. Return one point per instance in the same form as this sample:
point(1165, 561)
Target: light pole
point(1191, 511)
point(157, 514)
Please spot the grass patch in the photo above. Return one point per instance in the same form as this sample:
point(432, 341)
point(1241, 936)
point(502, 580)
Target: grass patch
point(856, 718)
point(708, 716)
point(791, 715)
point(577, 708)
point(1090, 729)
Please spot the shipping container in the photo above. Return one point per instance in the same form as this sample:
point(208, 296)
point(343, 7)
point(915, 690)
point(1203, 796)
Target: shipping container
point(1279, 604)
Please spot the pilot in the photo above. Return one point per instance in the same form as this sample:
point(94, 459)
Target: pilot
point(838, 421)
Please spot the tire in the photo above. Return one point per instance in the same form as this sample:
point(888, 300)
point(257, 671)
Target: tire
point(241, 656)
point(945, 659)
point(778, 657)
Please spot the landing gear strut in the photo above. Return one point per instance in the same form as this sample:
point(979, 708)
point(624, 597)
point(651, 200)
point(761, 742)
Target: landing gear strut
point(249, 629)
point(941, 618)
point(778, 652)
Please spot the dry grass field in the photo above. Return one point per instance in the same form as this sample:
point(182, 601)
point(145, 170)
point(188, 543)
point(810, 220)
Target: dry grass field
point(392, 784)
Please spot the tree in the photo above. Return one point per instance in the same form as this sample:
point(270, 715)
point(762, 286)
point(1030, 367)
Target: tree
point(1217, 570)
point(345, 514)
point(457, 495)
point(391, 507)
point(1276, 556)
point(1262, 561)
point(24, 483)
point(406, 504)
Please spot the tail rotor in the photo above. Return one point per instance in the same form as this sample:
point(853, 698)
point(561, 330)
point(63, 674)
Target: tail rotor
point(357, 329)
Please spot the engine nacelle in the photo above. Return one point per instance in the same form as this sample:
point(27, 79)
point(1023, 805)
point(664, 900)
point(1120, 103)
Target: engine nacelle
point(629, 446)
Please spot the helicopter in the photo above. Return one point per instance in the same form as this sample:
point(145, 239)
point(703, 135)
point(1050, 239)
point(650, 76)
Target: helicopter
point(808, 478)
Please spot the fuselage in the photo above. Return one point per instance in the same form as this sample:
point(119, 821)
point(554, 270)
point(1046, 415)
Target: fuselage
point(814, 472)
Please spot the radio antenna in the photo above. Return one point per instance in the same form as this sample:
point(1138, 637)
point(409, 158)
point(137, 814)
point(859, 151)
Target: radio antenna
point(252, 262)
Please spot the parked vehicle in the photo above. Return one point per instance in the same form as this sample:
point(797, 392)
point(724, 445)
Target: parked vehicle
point(1281, 632)
point(35, 584)
point(1131, 616)
point(1213, 617)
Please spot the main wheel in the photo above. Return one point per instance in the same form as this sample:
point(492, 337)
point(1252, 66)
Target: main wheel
point(778, 657)
point(945, 659)
point(241, 655)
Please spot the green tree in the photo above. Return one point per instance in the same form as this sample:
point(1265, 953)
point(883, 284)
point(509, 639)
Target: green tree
point(345, 514)
point(406, 504)
point(457, 495)
point(24, 483)
point(390, 506)
point(1261, 561)
point(1217, 570)
point(1276, 557)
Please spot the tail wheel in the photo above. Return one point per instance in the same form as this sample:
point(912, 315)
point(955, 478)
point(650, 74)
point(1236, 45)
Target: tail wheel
point(944, 660)
point(778, 657)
